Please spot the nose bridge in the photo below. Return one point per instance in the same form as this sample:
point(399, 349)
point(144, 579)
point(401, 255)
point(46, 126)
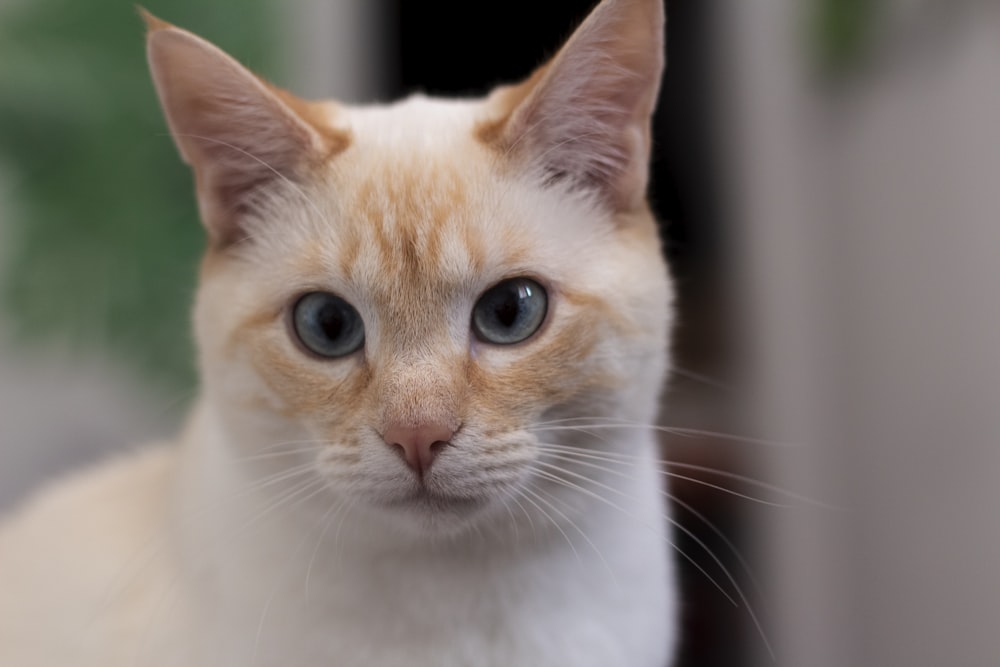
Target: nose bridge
point(421, 389)
point(420, 366)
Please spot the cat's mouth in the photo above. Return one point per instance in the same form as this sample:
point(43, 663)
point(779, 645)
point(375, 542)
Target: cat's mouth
point(428, 500)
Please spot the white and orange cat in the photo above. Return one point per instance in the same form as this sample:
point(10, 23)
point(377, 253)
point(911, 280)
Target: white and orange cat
point(408, 315)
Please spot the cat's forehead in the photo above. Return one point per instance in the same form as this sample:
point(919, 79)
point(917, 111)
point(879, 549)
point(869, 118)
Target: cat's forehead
point(418, 203)
point(418, 123)
point(417, 187)
point(407, 189)
point(416, 156)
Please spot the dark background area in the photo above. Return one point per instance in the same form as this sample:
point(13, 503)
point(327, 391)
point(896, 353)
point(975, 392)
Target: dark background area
point(483, 44)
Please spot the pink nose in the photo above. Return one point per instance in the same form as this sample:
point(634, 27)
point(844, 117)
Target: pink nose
point(419, 444)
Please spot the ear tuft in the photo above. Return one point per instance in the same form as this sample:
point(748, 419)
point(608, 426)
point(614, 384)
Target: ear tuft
point(152, 22)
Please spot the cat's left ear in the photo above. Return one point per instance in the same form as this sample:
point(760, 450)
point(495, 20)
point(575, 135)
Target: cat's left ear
point(240, 134)
point(585, 115)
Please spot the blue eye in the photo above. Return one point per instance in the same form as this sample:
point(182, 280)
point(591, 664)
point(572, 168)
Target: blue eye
point(510, 311)
point(327, 325)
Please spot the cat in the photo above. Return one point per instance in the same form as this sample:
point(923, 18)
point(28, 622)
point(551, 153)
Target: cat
point(408, 316)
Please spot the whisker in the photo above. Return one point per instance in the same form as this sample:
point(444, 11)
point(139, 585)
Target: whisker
point(700, 377)
point(746, 569)
point(308, 484)
point(725, 540)
point(671, 430)
point(250, 155)
point(584, 535)
point(326, 520)
point(624, 459)
point(683, 529)
point(576, 487)
point(751, 481)
point(513, 523)
point(287, 443)
point(531, 522)
point(316, 489)
point(555, 523)
point(340, 525)
point(562, 420)
point(263, 483)
point(303, 449)
point(576, 458)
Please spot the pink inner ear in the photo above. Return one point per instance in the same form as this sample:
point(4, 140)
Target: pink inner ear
point(238, 152)
point(586, 117)
point(239, 134)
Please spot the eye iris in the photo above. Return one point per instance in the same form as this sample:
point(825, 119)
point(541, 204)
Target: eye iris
point(327, 325)
point(510, 311)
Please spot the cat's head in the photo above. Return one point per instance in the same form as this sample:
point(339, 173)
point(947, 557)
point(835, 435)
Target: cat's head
point(417, 291)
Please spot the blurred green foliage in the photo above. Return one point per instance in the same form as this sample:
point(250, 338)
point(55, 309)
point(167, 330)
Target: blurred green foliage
point(102, 237)
point(841, 33)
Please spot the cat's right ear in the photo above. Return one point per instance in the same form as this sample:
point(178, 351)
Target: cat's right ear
point(585, 117)
point(239, 133)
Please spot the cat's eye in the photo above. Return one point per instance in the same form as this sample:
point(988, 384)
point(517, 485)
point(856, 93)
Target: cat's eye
point(510, 311)
point(327, 325)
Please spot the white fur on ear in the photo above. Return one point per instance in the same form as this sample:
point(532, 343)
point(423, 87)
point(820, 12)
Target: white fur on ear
point(237, 132)
point(586, 115)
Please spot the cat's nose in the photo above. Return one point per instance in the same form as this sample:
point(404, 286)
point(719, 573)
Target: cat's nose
point(419, 444)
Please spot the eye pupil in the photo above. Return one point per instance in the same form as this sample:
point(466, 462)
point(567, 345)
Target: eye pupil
point(506, 312)
point(510, 311)
point(327, 325)
point(331, 322)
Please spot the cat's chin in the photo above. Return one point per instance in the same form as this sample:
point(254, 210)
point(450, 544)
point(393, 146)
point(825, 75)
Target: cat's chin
point(435, 513)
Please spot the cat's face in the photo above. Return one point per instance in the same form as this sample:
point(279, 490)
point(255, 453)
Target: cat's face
point(424, 287)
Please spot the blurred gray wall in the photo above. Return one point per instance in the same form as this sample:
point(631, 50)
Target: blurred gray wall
point(336, 49)
point(868, 212)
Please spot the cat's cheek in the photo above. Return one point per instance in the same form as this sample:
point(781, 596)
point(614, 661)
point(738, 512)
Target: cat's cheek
point(308, 389)
point(566, 360)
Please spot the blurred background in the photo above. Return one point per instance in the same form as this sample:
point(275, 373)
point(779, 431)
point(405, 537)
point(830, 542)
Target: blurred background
point(828, 176)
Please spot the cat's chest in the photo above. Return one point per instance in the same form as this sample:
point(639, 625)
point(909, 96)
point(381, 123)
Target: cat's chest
point(440, 632)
